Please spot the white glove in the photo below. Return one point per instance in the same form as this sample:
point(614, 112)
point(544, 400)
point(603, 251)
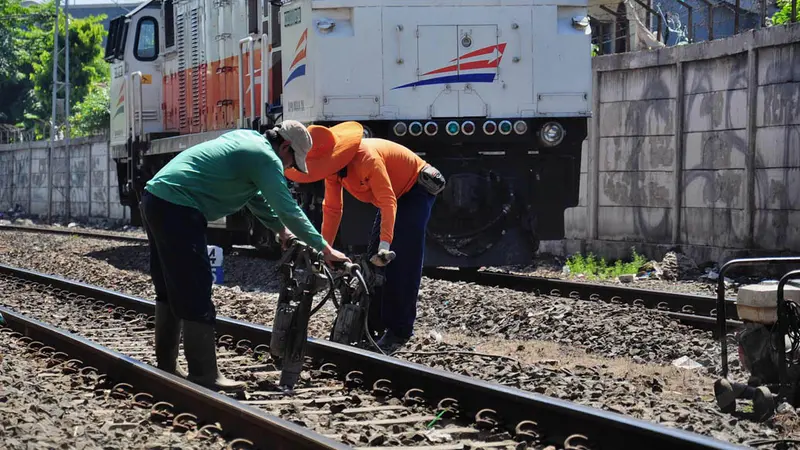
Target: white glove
point(384, 255)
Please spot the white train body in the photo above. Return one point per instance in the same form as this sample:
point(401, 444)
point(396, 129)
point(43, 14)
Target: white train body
point(494, 93)
point(391, 59)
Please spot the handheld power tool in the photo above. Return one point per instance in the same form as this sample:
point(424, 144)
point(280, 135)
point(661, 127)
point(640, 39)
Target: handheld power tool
point(303, 274)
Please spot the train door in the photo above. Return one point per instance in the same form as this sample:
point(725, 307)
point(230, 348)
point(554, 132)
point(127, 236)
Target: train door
point(271, 79)
point(169, 55)
point(115, 52)
point(133, 45)
point(142, 55)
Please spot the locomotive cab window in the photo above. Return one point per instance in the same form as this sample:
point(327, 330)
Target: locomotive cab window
point(146, 48)
point(114, 29)
point(169, 24)
point(252, 16)
point(122, 39)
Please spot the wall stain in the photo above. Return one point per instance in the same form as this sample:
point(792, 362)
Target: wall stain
point(715, 152)
point(726, 188)
point(662, 153)
point(631, 188)
point(717, 186)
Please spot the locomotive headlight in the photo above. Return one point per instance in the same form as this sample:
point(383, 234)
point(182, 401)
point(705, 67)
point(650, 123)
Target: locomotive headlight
point(431, 128)
point(505, 127)
point(400, 129)
point(520, 127)
point(468, 127)
point(489, 127)
point(415, 128)
point(367, 132)
point(552, 134)
point(452, 128)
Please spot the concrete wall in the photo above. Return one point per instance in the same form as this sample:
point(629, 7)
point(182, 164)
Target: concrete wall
point(696, 146)
point(88, 173)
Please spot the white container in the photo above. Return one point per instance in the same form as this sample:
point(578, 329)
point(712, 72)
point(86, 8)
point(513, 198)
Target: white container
point(215, 258)
point(759, 302)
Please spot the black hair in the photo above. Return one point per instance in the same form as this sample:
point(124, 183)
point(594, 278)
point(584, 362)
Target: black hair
point(275, 139)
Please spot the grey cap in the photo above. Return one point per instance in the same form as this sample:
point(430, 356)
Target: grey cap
point(297, 134)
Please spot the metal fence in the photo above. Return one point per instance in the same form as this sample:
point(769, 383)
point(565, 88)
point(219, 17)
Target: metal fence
point(630, 25)
point(10, 134)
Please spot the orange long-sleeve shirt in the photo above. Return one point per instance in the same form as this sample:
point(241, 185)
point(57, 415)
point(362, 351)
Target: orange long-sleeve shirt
point(379, 173)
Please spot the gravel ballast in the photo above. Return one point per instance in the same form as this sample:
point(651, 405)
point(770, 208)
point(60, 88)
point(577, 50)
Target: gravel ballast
point(609, 356)
point(43, 408)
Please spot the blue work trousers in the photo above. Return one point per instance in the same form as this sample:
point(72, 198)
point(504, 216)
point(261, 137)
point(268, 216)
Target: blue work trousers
point(398, 297)
point(179, 263)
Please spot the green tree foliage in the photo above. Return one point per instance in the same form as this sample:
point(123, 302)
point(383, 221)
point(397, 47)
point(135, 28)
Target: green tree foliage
point(87, 66)
point(26, 65)
point(784, 14)
point(92, 114)
point(15, 86)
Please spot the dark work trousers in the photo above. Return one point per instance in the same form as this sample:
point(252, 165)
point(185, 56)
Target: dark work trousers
point(179, 262)
point(398, 297)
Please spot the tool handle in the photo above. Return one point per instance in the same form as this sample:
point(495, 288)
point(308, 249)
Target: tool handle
point(347, 267)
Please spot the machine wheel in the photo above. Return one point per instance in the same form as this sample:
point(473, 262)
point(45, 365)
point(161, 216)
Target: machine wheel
point(726, 398)
point(763, 403)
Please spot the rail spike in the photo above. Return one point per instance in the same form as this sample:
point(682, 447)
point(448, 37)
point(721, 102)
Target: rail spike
point(577, 442)
point(487, 419)
point(525, 431)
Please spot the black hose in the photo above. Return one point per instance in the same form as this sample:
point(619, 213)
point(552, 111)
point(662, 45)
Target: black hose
point(331, 292)
point(793, 328)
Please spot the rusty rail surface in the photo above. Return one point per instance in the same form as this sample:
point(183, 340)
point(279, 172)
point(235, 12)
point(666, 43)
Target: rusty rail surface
point(236, 419)
point(696, 310)
point(523, 414)
point(74, 232)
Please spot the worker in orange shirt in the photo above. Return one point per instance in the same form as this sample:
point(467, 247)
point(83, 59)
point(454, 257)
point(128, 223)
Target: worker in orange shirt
point(403, 187)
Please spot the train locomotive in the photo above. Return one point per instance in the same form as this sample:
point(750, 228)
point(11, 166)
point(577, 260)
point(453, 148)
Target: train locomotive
point(496, 95)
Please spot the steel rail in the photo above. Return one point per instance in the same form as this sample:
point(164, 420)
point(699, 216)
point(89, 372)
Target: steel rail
point(70, 231)
point(237, 419)
point(697, 310)
point(513, 407)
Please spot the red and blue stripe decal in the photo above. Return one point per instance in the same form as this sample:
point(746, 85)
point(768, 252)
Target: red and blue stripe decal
point(476, 70)
point(297, 69)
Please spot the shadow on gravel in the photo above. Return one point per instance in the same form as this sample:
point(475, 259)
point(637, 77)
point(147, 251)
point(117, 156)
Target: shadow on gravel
point(248, 273)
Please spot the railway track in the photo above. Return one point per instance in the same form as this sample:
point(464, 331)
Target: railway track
point(358, 398)
point(698, 311)
point(171, 400)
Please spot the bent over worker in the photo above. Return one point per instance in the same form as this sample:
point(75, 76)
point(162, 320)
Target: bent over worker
point(205, 183)
point(403, 187)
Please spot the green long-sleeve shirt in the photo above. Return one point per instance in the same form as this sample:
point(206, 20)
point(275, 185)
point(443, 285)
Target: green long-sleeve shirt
point(239, 168)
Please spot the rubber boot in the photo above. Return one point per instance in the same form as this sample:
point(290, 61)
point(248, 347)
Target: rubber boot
point(201, 353)
point(168, 339)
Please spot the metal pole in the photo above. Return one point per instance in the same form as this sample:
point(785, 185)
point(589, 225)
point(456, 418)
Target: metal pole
point(736, 17)
point(690, 27)
point(30, 179)
point(710, 21)
point(66, 108)
point(53, 123)
point(794, 11)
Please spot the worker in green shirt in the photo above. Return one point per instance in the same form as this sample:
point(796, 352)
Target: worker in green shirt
point(206, 182)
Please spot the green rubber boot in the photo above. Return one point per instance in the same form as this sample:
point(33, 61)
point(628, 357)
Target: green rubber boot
point(201, 354)
point(168, 339)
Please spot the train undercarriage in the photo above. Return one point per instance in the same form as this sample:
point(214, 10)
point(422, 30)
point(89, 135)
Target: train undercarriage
point(503, 195)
